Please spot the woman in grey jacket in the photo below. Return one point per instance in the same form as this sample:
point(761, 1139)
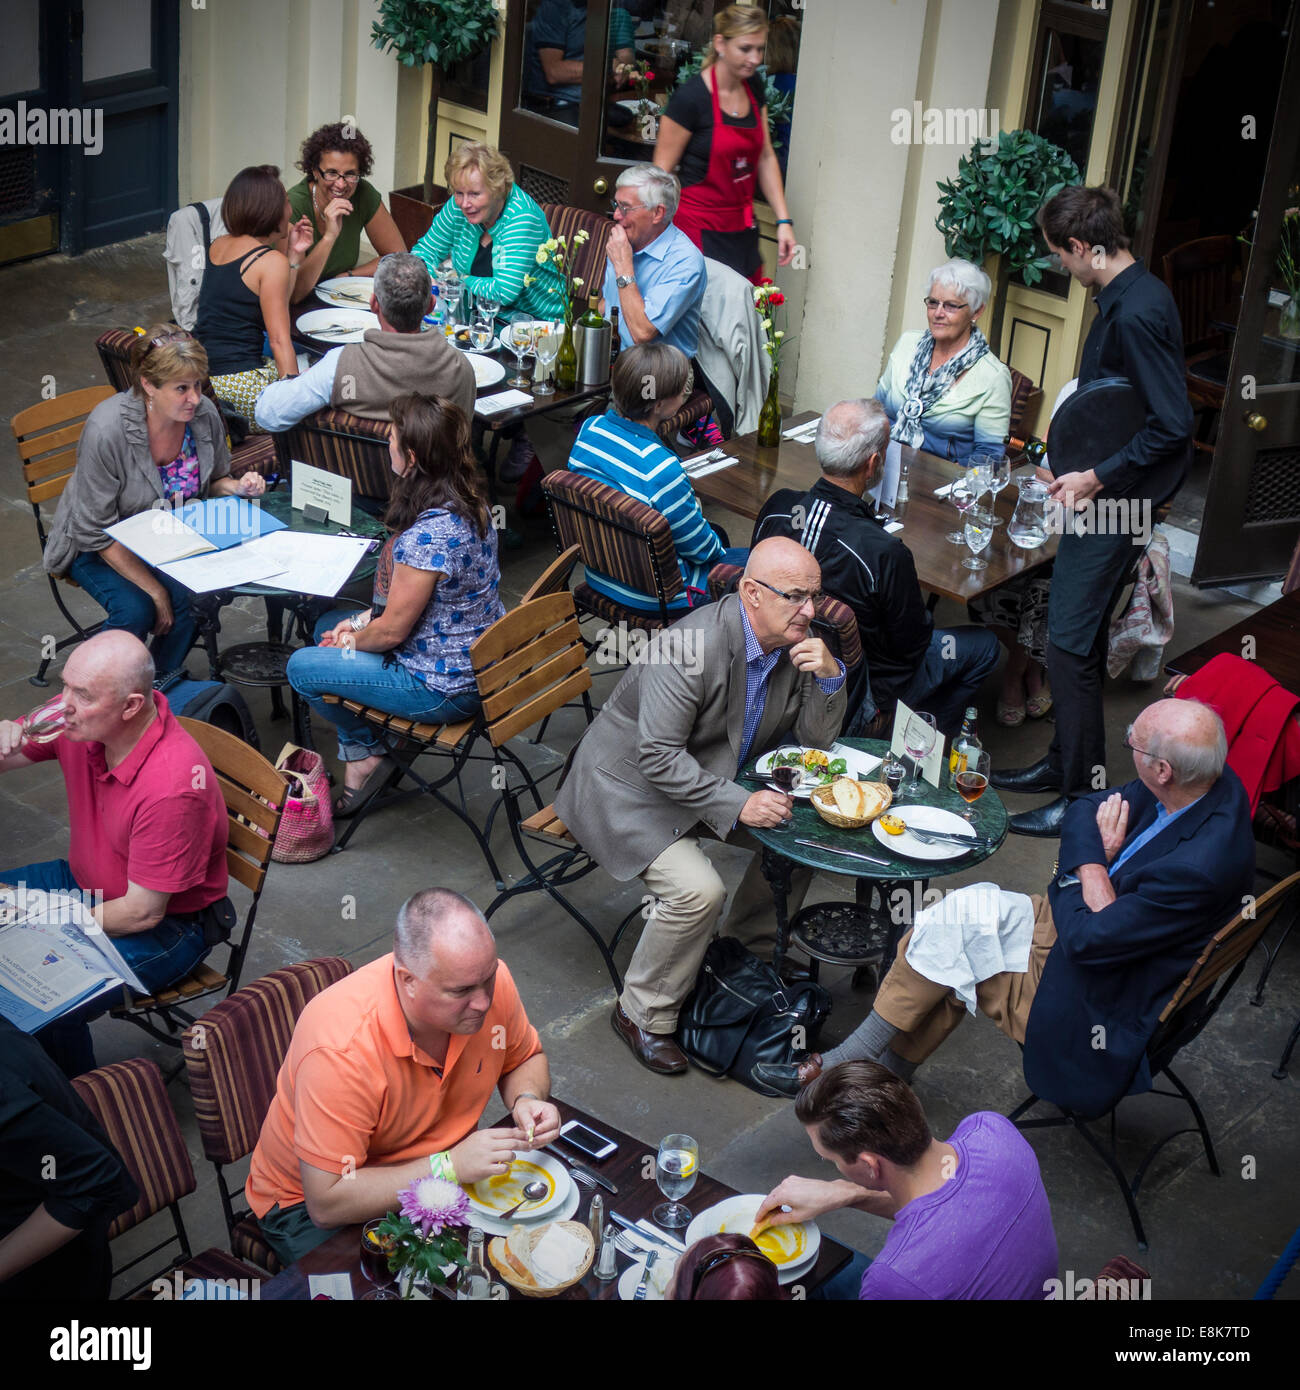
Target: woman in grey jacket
point(161, 442)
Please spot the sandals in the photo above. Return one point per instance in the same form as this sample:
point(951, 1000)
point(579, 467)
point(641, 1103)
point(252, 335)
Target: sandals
point(351, 799)
point(1010, 716)
point(1039, 705)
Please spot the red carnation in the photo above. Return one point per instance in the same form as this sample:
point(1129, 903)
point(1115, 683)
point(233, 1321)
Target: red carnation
point(777, 298)
point(765, 281)
point(649, 77)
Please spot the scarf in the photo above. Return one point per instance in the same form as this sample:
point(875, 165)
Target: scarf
point(923, 389)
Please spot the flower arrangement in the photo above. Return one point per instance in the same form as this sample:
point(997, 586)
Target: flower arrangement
point(766, 298)
point(640, 76)
point(557, 252)
point(417, 1236)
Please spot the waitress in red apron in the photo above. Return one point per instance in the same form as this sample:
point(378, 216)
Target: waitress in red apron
point(715, 137)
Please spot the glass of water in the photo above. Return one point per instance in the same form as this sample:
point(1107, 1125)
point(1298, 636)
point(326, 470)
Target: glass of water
point(480, 333)
point(979, 532)
point(676, 1167)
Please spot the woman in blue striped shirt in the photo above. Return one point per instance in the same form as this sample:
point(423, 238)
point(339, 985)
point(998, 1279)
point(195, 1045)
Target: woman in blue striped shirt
point(491, 229)
point(620, 448)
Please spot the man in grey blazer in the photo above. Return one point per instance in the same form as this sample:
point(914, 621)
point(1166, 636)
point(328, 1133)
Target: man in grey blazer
point(657, 770)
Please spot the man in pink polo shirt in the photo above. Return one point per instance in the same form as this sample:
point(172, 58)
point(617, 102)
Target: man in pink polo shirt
point(147, 826)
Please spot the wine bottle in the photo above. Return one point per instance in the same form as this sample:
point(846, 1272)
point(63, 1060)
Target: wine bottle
point(614, 344)
point(965, 746)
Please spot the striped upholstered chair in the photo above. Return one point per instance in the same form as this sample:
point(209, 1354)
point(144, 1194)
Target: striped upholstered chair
point(1026, 398)
point(232, 1058)
point(589, 262)
point(342, 443)
point(130, 1101)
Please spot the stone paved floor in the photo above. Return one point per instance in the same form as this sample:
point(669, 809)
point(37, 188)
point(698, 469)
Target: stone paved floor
point(1210, 1237)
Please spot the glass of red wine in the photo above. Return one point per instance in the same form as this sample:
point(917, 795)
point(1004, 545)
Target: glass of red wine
point(785, 779)
point(972, 780)
point(374, 1261)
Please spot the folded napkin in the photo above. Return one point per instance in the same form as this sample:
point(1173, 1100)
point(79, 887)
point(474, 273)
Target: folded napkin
point(809, 427)
point(976, 932)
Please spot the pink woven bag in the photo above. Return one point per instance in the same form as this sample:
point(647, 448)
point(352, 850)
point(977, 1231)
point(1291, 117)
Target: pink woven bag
point(307, 826)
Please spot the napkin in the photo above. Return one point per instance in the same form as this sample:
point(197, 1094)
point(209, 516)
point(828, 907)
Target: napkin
point(502, 400)
point(336, 1286)
point(809, 427)
point(714, 467)
point(971, 935)
point(944, 490)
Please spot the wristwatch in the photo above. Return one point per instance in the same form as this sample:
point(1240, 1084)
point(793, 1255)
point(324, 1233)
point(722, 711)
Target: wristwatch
point(623, 281)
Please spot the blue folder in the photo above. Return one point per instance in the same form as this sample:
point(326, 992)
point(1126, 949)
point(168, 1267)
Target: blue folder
point(227, 521)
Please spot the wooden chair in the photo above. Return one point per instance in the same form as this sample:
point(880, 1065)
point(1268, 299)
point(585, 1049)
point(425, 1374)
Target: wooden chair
point(1194, 1004)
point(342, 443)
point(1199, 274)
point(618, 537)
point(1026, 398)
point(130, 1101)
point(254, 794)
point(554, 579)
point(46, 436)
point(232, 1060)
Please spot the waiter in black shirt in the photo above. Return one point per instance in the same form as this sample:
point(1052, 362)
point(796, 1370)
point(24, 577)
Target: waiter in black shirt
point(1137, 335)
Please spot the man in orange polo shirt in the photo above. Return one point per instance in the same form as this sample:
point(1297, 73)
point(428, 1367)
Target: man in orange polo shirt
point(388, 1074)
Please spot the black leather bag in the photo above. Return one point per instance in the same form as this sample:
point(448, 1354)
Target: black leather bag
point(740, 1012)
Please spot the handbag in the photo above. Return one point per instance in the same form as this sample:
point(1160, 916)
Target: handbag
point(741, 1012)
point(307, 826)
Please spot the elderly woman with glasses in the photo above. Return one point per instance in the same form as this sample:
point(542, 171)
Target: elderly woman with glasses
point(339, 204)
point(492, 230)
point(945, 390)
point(161, 442)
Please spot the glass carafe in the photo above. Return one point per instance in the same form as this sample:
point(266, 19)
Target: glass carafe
point(1030, 527)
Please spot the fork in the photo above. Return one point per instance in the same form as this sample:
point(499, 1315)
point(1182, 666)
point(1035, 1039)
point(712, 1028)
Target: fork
point(930, 837)
point(579, 1176)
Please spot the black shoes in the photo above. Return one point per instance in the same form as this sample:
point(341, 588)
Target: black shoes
point(1041, 777)
point(786, 1079)
point(1043, 821)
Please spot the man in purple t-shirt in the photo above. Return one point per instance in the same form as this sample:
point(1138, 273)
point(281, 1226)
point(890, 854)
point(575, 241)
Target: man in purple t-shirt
point(971, 1218)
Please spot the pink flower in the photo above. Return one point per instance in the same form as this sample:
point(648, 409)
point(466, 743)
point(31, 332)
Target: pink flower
point(431, 1204)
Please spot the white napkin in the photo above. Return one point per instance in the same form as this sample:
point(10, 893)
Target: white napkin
point(715, 467)
point(973, 934)
point(809, 427)
point(944, 490)
point(647, 1225)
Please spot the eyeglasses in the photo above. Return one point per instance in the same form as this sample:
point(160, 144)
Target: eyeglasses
point(333, 176)
point(796, 596)
point(626, 208)
point(943, 304)
point(1132, 748)
point(180, 336)
point(716, 1258)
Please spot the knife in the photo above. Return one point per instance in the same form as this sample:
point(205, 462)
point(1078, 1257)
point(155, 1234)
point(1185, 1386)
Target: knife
point(848, 853)
point(650, 1259)
point(586, 1172)
point(653, 1236)
point(924, 834)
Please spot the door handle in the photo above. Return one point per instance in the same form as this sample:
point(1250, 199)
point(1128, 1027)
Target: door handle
point(601, 186)
point(1255, 421)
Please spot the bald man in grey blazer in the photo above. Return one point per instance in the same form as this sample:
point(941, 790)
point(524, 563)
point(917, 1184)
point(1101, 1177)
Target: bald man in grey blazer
point(657, 770)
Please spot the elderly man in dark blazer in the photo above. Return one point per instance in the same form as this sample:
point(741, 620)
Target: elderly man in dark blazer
point(1147, 874)
point(657, 770)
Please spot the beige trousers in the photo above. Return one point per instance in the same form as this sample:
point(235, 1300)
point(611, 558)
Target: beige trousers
point(689, 895)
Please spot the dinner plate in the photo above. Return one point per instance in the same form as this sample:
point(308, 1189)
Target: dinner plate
point(792, 1248)
point(860, 765)
point(347, 291)
point(493, 1196)
point(631, 1277)
point(805, 788)
point(487, 370)
point(924, 818)
point(353, 322)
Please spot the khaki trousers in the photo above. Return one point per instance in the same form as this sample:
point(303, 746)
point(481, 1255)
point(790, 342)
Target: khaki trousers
point(689, 895)
point(925, 1013)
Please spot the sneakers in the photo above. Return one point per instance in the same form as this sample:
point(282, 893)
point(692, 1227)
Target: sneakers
point(704, 434)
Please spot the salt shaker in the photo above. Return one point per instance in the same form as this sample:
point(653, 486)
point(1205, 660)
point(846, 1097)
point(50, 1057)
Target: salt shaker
point(607, 1264)
point(596, 1219)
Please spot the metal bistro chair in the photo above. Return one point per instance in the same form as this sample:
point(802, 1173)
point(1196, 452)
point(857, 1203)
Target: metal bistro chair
point(232, 1059)
point(130, 1101)
point(254, 794)
point(46, 437)
point(1193, 1005)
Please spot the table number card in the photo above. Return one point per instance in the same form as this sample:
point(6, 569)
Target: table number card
point(932, 767)
point(314, 487)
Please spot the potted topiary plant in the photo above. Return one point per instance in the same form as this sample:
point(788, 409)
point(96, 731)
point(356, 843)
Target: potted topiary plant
point(989, 208)
point(439, 33)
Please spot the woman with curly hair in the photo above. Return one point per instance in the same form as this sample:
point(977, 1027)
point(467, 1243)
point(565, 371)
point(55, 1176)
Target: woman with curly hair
point(435, 592)
point(340, 203)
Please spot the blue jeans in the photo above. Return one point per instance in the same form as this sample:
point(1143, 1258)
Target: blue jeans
point(847, 1284)
point(363, 676)
point(158, 957)
point(951, 671)
point(128, 607)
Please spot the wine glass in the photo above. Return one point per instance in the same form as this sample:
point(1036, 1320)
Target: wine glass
point(997, 468)
point(676, 1167)
point(480, 333)
point(972, 780)
point(519, 339)
point(785, 779)
point(547, 346)
point(374, 1262)
point(965, 492)
point(978, 534)
point(490, 306)
point(918, 738)
point(46, 722)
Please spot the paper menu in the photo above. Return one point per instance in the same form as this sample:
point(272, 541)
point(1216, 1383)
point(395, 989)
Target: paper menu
point(158, 536)
point(502, 400)
point(932, 766)
point(222, 569)
point(308, 564)
point(319, 488)
point(885, 492)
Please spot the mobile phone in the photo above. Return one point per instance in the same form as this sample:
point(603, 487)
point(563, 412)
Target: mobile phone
point(586, 1140)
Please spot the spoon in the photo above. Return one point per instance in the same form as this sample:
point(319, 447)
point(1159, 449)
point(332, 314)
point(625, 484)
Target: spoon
point(533, 1192)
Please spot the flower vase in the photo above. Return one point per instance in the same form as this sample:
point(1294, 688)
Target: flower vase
point(1288, 321)
point(566, 360)
point(769, 418)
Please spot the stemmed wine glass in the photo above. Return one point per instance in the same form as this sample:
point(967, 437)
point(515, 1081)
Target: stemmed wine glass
point(46, 722)
point(997, 468)
point(480, 333)
point(676, 1168)
point(978, 534)
point(519, 339)
point(785, 779)
point(965, 492)
point(918, 738)
point(374, 1262)
point(972, 780)
point(546, 345)
point(489, 305)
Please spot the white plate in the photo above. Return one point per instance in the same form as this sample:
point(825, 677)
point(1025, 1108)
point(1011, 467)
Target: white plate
point(347, 291)
point(493, 1196)
point(487, 370)
point(631, 1277)
point(492, 346)
point(805, 788)
point(355, 322)
point(925, 818)
point(736, 1215)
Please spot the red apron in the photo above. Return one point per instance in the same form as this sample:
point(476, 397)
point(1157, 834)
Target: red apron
point(724, 202)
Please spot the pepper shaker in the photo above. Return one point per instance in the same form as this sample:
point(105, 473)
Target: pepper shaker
point(607, 1264)
point(596, 1219)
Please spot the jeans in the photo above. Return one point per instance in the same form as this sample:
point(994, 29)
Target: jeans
point(158, 957)
point(128, 607)
point(847, 1283)
point(363, 676)
point(951, 672)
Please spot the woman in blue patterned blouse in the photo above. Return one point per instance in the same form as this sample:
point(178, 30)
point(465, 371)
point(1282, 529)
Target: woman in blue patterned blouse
point(435, 592)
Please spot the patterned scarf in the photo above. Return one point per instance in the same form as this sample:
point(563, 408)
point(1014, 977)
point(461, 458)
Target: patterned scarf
point(923, 390)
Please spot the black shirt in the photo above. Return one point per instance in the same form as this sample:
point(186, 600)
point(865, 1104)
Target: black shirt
point(230, 324)
point(691, 106)
point(863, 566)
point(1138, 335)
point(482, 261)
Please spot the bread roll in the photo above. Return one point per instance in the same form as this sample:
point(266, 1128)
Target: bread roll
point(850, 799)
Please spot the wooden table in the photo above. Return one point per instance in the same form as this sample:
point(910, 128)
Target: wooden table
point(926, 519)
point(1274, 634)
point(636, 1198)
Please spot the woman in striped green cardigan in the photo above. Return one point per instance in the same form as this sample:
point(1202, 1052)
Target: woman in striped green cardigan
point(491, 228)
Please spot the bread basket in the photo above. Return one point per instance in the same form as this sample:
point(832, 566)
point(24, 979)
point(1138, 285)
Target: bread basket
point(497, 1253)
point(823, 801)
